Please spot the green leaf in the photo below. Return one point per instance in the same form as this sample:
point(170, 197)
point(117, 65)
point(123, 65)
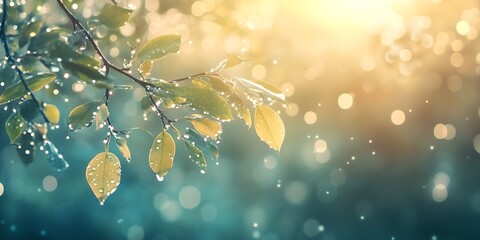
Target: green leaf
point(114, 16)
point(196, 155)
point(29, 64)
point(146, 105)
point(161, 155)
point(71, 59)
point(168, 99)
point(87, 74)
point(205, 101)
point(207, 127)
point(29, 31)
point(262, 89)
point(29, 109)
point(82, 116)
point(123, 147)
point(207, 147)
point(159, 47)
point(25, 148)
point(43, 41)
point(101, 116)
point(226, 89)
point(269, 127)
point(103, 175)
point(8, 75)
point(52, 113)
point(14, 126)
point(56, 159)
point(35, 83)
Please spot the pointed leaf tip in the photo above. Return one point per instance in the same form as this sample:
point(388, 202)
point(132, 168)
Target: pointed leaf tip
point(123, 148)
point(269, 127)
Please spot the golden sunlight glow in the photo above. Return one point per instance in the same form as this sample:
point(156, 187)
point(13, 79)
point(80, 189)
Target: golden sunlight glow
point(343, 16)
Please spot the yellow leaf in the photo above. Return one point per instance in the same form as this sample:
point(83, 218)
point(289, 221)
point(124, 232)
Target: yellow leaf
point(52, 113)
point(246, 116)
point(123, 147)
point(207, 127)
point(233, 60)
point(145, 68)
point(103, 175)
point(101, 116)
point(161, 155)
point(269, 127)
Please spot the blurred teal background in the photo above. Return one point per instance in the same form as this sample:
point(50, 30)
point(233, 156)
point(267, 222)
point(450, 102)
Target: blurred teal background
point(382, 128)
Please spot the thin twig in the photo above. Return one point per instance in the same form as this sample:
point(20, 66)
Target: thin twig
point(111, 128)
point(12, 61)
point(108, 65)
point(165, 120)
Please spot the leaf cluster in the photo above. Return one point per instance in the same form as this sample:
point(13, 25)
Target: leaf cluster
point(39, 56)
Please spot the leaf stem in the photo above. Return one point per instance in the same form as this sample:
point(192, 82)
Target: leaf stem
point(12, 62)
point(111, 128)
point(165, 120)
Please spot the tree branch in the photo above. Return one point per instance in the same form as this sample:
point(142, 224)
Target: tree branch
point(106, 62)
point(12, 61)
point(108, 65)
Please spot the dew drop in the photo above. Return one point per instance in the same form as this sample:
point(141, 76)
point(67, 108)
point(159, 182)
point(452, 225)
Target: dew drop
point(91, 172)
point(160, 178)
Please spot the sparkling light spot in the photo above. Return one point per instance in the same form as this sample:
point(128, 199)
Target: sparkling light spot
point(198, 8)
point(135, 232)
point(398, 117)
point(310, 117)
point(292, 110)
point(270, 162)
point(463, 28)
point(368, 64)
point(439, 193)
point(78, 87)
point(189, 197)
point(296, 192)
point(1, 189)
point(288, 89)
point(456, 59)
point(440, 131)
point(345, 101)
point(441, 178)
point(320, 146)
point(259, 72)
point(311, 227)
point(49, 183)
